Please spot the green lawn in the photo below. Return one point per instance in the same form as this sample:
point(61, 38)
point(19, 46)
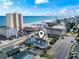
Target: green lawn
point(54, 40)
point(70, 56)
point(44, 54)
point(77, 38)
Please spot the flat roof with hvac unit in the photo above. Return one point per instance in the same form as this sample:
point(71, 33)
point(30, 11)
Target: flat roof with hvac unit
point(7, 32)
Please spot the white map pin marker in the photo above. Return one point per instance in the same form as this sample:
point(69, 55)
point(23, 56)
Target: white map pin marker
point(41, 34)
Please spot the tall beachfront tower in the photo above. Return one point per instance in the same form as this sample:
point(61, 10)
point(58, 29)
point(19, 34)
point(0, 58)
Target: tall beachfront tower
point(9, 20)
point(14, 20)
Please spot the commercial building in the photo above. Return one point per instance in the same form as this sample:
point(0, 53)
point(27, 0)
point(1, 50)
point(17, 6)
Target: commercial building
point(7, 32)
point(41, 25)
point(70, 22)
point(29, 29)
point(14, 20)
point(70, 19)
point(59, 30)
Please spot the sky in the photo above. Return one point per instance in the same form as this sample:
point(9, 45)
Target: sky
point(40, 7)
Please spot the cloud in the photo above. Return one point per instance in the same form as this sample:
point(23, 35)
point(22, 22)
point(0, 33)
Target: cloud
point(18, 2)
point(6, 4)
point(34, 6)
point(46, 13)
point(5, 0)
point(65, 12)
point(6, 7)
point(55, 13)
point(62, 11)
point(41, 1)
point(77, 10)
point(17, 8)
point(41, 13)
point(24, 0)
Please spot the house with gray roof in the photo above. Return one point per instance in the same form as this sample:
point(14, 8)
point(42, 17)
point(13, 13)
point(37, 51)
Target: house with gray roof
point(38, 42)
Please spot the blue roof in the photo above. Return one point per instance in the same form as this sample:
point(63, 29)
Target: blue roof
point(41, 43)
point(29, 40)
point(4, 27)
point(35, 51)
point(23, 54)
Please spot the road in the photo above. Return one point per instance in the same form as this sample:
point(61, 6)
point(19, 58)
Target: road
point(16, 41)
point(61, 49)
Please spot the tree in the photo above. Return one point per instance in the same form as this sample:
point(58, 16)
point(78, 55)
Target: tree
point(47, 56)
point(58, 21)
point(77, 38)
point(54, 39)
point(72, 25)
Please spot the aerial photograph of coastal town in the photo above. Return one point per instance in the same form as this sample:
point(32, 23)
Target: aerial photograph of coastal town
point(39, 29)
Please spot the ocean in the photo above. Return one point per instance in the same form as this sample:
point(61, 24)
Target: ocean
point(29, 19)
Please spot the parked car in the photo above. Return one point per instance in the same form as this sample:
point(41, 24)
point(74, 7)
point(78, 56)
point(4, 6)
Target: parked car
point(71, 41)
point(62, 38)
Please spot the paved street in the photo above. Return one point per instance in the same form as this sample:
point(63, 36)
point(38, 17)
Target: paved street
point(16, 41)
point(61, 49)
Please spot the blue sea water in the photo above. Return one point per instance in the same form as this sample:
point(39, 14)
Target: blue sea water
point(2, 20)
point(28, 19)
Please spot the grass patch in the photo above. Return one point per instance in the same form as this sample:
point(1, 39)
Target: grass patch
point(70, 56)
point(77, 38)
point(54, 40)
point(46, 56)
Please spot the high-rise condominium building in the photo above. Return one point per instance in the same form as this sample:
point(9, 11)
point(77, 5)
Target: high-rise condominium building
point(9, 20)
point(14, 20)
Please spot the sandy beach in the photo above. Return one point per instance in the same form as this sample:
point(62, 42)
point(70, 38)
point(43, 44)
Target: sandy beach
point(30, 24)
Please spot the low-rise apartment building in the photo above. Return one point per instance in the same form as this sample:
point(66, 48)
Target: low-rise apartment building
point(7, 32)
point(59, 30)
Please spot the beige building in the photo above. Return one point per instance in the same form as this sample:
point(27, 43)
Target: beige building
point(9, 20)
point(14, 20)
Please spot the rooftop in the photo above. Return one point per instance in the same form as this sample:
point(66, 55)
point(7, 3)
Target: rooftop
point(78, 26)
point(23, 55)
point(38, 42)
point(41, 43)
point(4, 27)
point(36, 51)
point(59, 26)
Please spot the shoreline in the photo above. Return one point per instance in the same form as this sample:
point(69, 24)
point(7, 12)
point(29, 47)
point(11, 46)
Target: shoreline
point(30, 24)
